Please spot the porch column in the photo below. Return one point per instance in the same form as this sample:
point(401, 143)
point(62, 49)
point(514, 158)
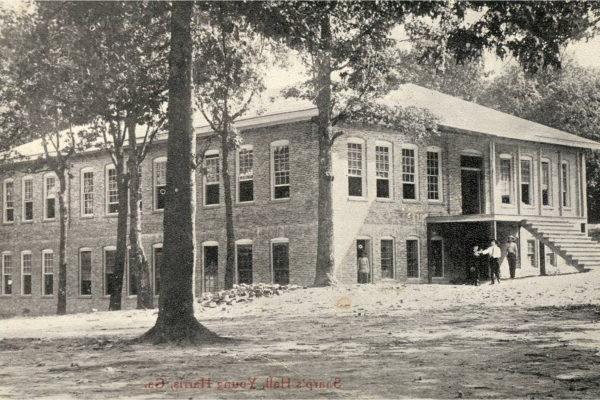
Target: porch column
point(583, 192)
point(560, 189)
point(448, 166)
point(539, 180)
point(492, 177)
point(518, 191)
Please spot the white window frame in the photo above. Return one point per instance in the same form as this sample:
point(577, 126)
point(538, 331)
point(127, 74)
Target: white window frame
point(23, 254)
point(82, 173)
point(5, 201)
point(246, 147)
point(550, 193)
point(154, 247)
point(242, 242)
point(511, 191)
point(415, 148)
point(415, 238)
point(363, 167)
point(107, 202)
point(79, 276)
point(273, 242)
point(438, 150)
point(204, 245)
point(44, 273)
point(566, 189)
point(390, 171)
point(12, 266)
point(531, 181)
point(441, 240)
point(27, 178)
point(272, 146)
point(393, 240)
point(104, 282)
point(156, 161)
point(48, 196)
point(207, 153)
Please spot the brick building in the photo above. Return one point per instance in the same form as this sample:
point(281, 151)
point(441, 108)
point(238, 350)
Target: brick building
point(415, 207)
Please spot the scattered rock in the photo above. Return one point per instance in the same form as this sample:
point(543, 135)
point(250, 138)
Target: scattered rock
point(243, 293)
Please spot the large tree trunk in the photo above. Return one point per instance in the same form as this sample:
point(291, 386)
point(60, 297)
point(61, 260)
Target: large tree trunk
point(176, 321)
point(138, 263)
point(63, 216)
point(325, 257)
point(121, 251)
point(229, 229)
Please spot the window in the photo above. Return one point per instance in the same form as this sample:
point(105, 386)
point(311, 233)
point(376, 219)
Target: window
point(280, 261)
point(280, 165)
point(212, 176)
point(109, 270)
point(387, 258)
point(412, 258)
point(409, 179)
point(112, 191)
point(87, 192)
point(9, 201)
point(85, 272)
point(505, 179)
point(132, 279)
point(157, 260)
point(382, 171)
point(433, 175)
point(244, 261)
point(7, 273)
point(160, 183)
point(47, 272)
point(550, 258)
point(26, 273)
point(566, 201)
point(211, 266)
point(531, 253)
point(245, 174)
point(27, 199)
point(526, 180)
point(49, 197)
point(546, 183)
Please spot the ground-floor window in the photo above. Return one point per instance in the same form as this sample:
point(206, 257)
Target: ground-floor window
point(48, 272)
point(437, 257)
point(26, 273)
point(132, 278)
point(531, 253)
point(85, 272)
point(211, 268)
point(387, 258)
point(550, 258)
point(244, 263)
point(109, 271)
point(7, 273)
point(157, 262)
point(281, 262)
point(412, 258)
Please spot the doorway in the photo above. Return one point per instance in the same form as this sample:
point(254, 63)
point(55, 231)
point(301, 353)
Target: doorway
point(363, 247)
point(471, 184)
point(436, 258)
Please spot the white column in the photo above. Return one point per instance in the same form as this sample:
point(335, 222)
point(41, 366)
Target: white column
point(492, 177)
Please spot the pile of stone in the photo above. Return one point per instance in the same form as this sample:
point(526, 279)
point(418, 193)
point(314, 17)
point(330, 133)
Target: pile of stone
point(243, 293)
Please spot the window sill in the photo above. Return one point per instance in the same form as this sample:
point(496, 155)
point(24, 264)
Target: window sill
point(282, 200)
point(47, 296)
point(360, 199)
point(384, 199)
point(8, 223)
point(85, 296)
point(6, 295)
point(159, 211)
point(29, 221)
point(89, 216)
point(548, 207)
point(441, 201)
point(111, 215)
point(410, 201)
point(245, 203)
point(211, 205)
point(132, 296)
point(49, 220)
point(27, 296)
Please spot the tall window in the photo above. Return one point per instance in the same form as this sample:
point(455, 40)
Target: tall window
point(387, 258)
point(409, 179)
point(412, 258)
point(47, 272)
point(26, 273)
point(526, 182)
point(160, 183)
point(9, 201)
point(280, 165)
point(212, 172)
point(87, 192)
point(281, 261)
point(112, 191)
point(246, 174)
point(566, 201)
point(211, 266)
point(132, 279)
point(382, 170)
point(157, 260)
point(505, 180)
point(531, 253)
point(49, 197)
point(109, 270)
point(85, 272)
point(244, 261)
point(7, 272)
point(546, 184)
point(27, 199)
point(433, 175)
point(355, 169)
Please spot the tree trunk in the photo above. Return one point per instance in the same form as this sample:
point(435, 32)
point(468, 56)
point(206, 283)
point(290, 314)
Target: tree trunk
point(138, 263)
point(176, 321)
point(121, 251)
point(325, 258)
point(229, 228)
point(63, 216)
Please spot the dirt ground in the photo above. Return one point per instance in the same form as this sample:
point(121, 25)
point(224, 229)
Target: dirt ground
point(526, 338)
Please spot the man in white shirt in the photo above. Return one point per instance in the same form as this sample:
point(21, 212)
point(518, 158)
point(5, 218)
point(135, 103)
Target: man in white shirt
point(494, 253)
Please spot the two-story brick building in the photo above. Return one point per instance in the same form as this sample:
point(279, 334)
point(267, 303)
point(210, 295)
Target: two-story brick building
point(416, 207)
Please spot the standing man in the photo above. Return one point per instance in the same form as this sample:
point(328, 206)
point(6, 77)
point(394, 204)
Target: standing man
point(494, 253)
point(511, 255)
point(364, 267)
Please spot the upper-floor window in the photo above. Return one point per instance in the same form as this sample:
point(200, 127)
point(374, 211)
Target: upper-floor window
point(112, 190)
point(7, 280)
point(26, 273)
point(85, 272)
point(433, 174)
point(383, 170)
point(546, 183)
point(564, 171)
point(245, 174)
point(212, 177)
point(506, 178)
point(409, 173)
point(49, 197)
point(47, 272)
point(160, 183)
point(280, 170)
point(355, 169)
point(526, 182)
point(87, 192)
point(27, 198)
point(9, 200)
